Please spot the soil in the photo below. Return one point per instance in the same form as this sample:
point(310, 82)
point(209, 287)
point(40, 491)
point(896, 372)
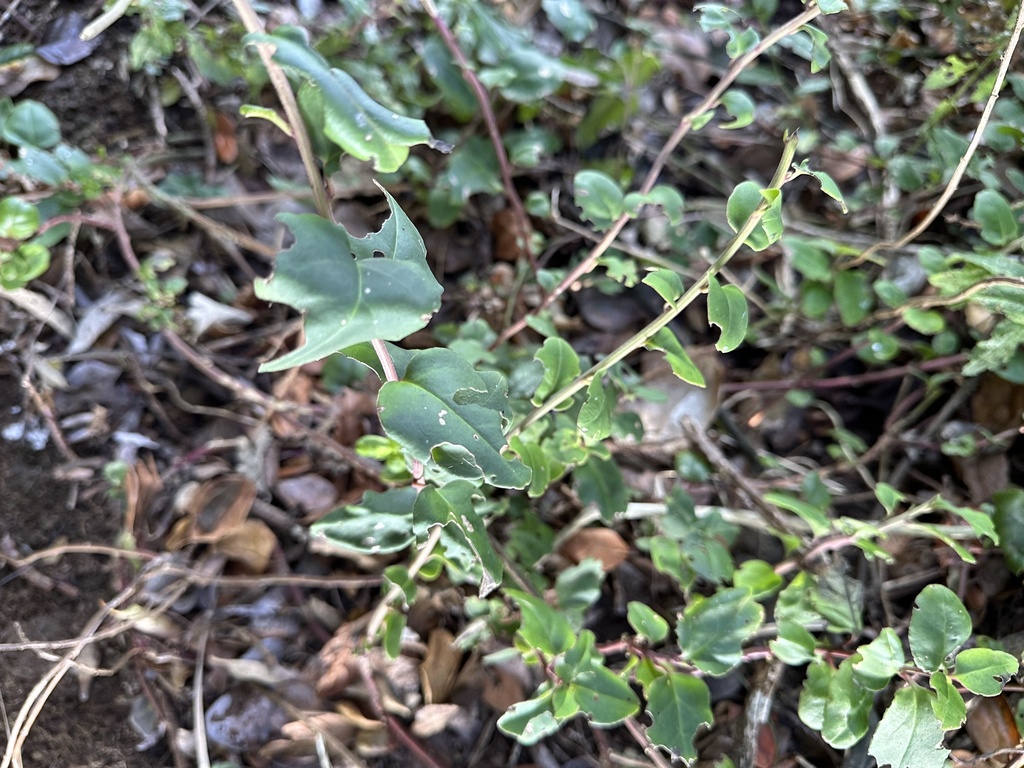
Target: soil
point(35, 512)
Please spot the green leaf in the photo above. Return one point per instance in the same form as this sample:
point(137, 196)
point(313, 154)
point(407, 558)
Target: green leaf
point(852, 294)
point(982, 670)
point(599, 482)
point(666, 283)
point(349, 117)
point(909, 734)
point(471, 169)
point(743, 201)
point(814, 516)
point(603, 696)
point(948, 705)
point(727, 308)
point(561, 367)
point(738, 104)
point(888, 497)
point(999, 225)
point(925, 321)
point(18, 219)
point(828, 184)
point(847, 709)
point(840, 599)
point(758, 577)
point(544, 467)
point(680, 362)
point(832, 6)
point(665, 197)
point(380, 523)
point(815, 693)
point(32, 124)
point(457, 96)
point(679, 705)
point(595, 419)
point(599, 197)
point(449, 416)
point(530, 721)
point(570, 17)
point(809, 258)
point(1009, 523)
point(711, 630)
point(577, 588)
point(394, 626)
point(646, 622)
point(452, 504)
point(881, 659)
point(794, 645)
point(542, 627)
point(351, 300)
point(938, 626)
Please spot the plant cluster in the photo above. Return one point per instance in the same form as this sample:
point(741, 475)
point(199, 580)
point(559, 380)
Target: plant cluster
point(480, 433)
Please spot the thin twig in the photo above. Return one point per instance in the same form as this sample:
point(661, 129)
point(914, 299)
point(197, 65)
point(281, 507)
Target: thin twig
point(511, 193)
point(684, 127)
point(252, 25)
point(396, 591)
point(961, 167)
point(647, 332)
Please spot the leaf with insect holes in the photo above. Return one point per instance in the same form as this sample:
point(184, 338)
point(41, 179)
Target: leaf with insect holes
point(344, 112)
point(449, 416)
point(348, 294)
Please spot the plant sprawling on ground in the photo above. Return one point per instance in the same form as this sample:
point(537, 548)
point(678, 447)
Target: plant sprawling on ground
point(668, 355)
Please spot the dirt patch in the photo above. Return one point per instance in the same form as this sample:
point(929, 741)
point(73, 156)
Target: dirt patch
point(34, 513)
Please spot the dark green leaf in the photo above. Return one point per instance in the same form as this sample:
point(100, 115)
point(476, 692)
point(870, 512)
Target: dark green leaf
point(349, 117)
point(712, 630)
point(443, 403)
point(380, 523)
point(999, 225)
point(1009, 522)
point(852, 294)
point(595, 419)
point(452, 504)
point(599, 482)
point(678, 705)
point(348, 295)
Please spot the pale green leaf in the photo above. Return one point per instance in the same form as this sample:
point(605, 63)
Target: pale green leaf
point(727, 308)
point(561, 367)
point(815, 693)
point(595, 419)
point(794, 644)
point(666, 283)
point(599, 197)
point(19, 219)
point(530, 721)
point(983, 670)
point(740, 106)
point(881, 659)
point(646, 622)
point(847, 709)
point(542, 627)
point(852, 293)
point(948, 705)
point(680, 362)
point(909, 734)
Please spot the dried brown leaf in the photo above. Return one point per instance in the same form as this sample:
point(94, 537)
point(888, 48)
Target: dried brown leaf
point(602, 544)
